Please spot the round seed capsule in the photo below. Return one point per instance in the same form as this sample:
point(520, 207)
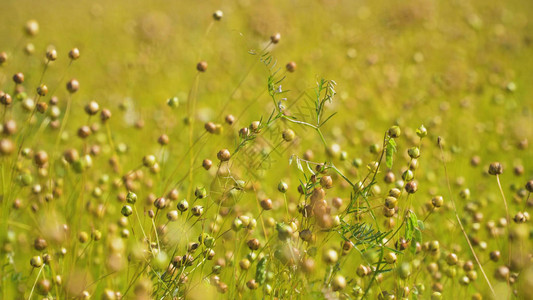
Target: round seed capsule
point(42, 90)
point(206, 164)
point(224, 155)
point(31, 27)
point(51, 54)
point(288, 135)
point(275, 38)
point(437, 201)
point(217, 15)
point(266, 204)
point(74, 53)
point(291, 66)
point(495, 168)
point(73, 86)
point(338, 283)
point(92, 108)
point(18, 78)
point(201, 66)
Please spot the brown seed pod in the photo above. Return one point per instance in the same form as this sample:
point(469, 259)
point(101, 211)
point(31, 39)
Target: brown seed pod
point(84, 132)
point(163, 140)
point(275, 38)
point(31, 28)
point(336, 202)
point(5, 98)
point(10, 127)
point(44, 286)
point(51, 54)
point(18, 78)
point(71, 155)
point(266, 204)
point(529, 186)
point(105, 114)
point(230, 119)
point(217, 15)
point(495, 255)
point(210, 127)
point(40, 158)
point(291, 66)
point(411, 187)
point(495, 168)
point(253, 244)
point(201, 66)
point(326, 182)
point(206, 164)
point(160, 203)
point(224, 155)
point(92, 108)
point(3, 57)
point(252, 284)
point(42, 107)
point(74, 53)
point(73, 86)
point(40, 244)
point(42, 90)
point(502, 273)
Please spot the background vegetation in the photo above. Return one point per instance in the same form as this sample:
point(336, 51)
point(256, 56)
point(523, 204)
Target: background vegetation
point(460, 69)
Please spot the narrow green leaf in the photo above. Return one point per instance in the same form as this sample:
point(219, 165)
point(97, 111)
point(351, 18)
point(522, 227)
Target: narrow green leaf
point(389, 152)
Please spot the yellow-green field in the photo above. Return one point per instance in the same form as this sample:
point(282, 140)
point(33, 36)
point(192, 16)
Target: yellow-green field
point(266, 149)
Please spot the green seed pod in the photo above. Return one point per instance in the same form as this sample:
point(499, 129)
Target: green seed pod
point(408, 175)
point(173, 102)
point(421, 131)
point(414, 152)
point(357, 162)
point(197, 210)
point(330, 256)
point(183, 205)
point(288, 135)
point(391, 202)
point(390, 258)
point(209, 242)
point(284, 231)
point(131, 197)
point(149, 161)
point(375, 148)
point(36, 261)
point(437, 201)
point(25, 179)
point(200, 192)
point(126, 211)
point(338, 282)
point(237, 224)
point(404, 270)
point(394, 132)
point(283, 187)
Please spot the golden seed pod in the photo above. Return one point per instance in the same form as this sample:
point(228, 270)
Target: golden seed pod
point(74, 53)
point(201, 66)
point(51, 55)
point(291, 66)
point(275, 38)
point(32, 27)
point(73, 86)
